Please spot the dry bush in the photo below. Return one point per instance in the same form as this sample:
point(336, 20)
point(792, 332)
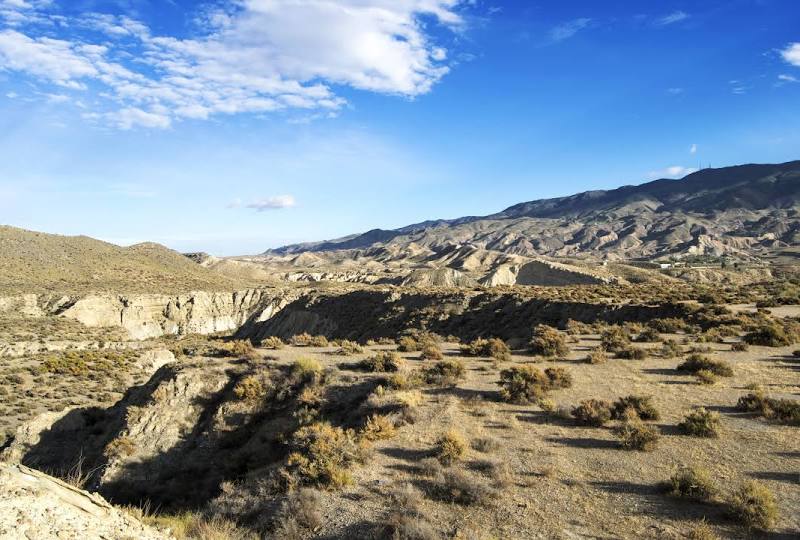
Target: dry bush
point(408, 344)
point(671, 349)
point(431, 351)
point(348, 348)
point(641, 406)
point(243, 349)
point(669, 326)
point(322, 455)
point(785, 411)
point(485, 445)
point(592, 412)
point(631, 353)
point(307, 340)
point(615, 338)
point(547, 341)
point(527, 384)
point(382, 362)
point(299, 514)
point(450, 447)
point(456, 486)
point(378, 427)
point(120, 447)
point(252, 388)
point(692, 483)
point(635, 435)
point(406, 380)
point(698, 362)
point(706, 377)
point(648, 335)
point(702, 531)
point(272, 342)
point(307, 369)
point(701, 423)
point(445, 372)
point(405, 520)
point(492, 348)
point(596, 356)
point(754, 505)
point(772, 335)
point(195, 526)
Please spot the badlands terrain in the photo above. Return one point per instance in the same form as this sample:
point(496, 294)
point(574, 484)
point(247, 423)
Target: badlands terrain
point(621, 364)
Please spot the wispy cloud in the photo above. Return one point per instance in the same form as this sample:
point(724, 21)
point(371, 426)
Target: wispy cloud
point(277, 202)
point(263, 56)
point(568, 29)
point(676, 171)
point(792, 54)
point(672, 18)
point(693, 149)
point(675, 91)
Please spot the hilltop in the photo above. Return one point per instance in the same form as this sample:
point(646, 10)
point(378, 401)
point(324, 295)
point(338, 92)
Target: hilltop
point(34, 262)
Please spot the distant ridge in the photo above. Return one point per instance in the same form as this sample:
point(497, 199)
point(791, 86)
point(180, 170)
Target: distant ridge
point(733, 210)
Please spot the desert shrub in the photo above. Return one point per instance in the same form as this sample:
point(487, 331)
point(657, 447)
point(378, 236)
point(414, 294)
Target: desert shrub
point(671, 349)
point(445, 372)
point(450, 447)
point(66, 364)
point(701, 423)
point(770, 335)
point(252, 388)
point(547, 341)
point(739, 346)
point(405, 380)
point(120, 447)
point(631, 353)
point(527, 384)
point(698, 362)
point(322, 455)
point(405, 520)
point(702, 531)
point(635, 435)
point(492, 348)
point(692, 483)
point(408, 344)
point(378, 427)
point(648, 335)
point(592, 412)
point(615, 338)
point(194, 525)
point(347, 348)
point(642, 406)
point(669, 325)
point(485, 444)
point(596, 356)
point(307, 340)
point(754, 506)
point(706, 377)
point(299, 514)
point(243, 349)
point(456, 486)
point(785, 411)
point(574, 328)
point(431, 351)
point(382, 362)
point(307, 369)
point(272, 342)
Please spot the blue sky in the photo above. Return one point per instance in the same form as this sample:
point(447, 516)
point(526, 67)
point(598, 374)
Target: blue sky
point(234, 126)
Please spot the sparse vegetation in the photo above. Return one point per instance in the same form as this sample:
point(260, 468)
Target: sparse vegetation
point(450, 448)
point(785, 411)
point(641, 407)
point(527, 384)
point(322, 455)
point(701, 423)
point(491, 348)
point(382, 362)
point(697, 362)
point(596, 356)
point(754, 505)
point(635, 435)
point(692, 483)
point(592, 412)
point(547, 341)
point(445, 372)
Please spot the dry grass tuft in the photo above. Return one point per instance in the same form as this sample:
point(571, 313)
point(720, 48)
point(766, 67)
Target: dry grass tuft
point(450, 448)
point(701, 423)
point(547, 341)
point(754, 506)
point(592, 412)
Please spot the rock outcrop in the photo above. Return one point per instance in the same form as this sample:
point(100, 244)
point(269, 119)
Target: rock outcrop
point(36, 506)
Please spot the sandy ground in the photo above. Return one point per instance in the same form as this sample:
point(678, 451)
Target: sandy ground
point(572, 481)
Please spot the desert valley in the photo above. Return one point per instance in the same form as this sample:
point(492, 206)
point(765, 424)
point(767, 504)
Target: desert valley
point(632, 356)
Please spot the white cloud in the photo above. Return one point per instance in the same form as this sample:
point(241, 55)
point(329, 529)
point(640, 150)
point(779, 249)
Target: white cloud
point(270, 203)
point(676, 171)
point(672, 18)
point(693, 149)
point(267, 55)
point(568, 29)
point(788, 78)
point(676, 91)
point(792, 54)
